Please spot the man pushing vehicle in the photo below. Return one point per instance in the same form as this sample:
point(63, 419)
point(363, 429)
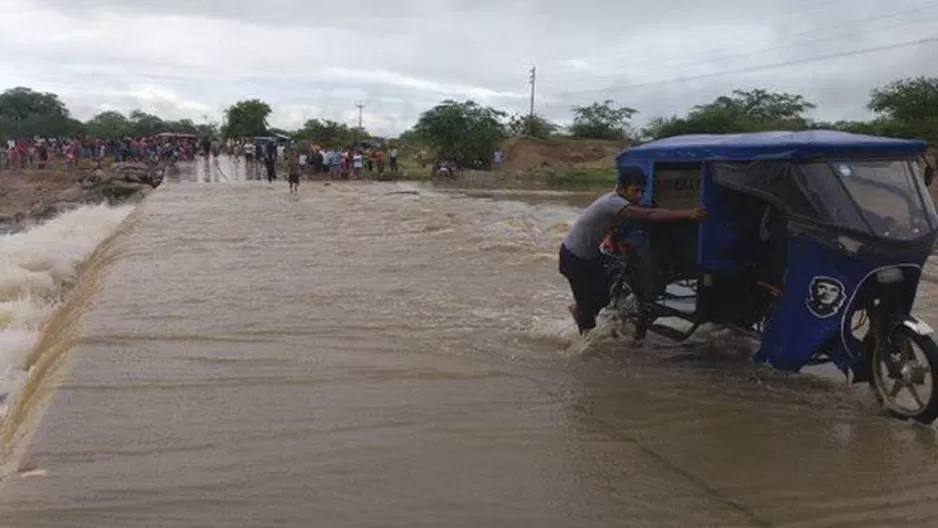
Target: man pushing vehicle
point(580, 258)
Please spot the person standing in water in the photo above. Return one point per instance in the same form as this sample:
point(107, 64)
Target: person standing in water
point(580, 258)
point(206, 147)
point(294, 171)
point(270, 160)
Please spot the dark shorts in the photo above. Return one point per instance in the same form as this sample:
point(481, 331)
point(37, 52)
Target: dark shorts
point(589, 283)
point(294, 178)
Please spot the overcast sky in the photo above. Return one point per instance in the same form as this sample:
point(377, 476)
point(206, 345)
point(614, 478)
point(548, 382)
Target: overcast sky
point(316, 58)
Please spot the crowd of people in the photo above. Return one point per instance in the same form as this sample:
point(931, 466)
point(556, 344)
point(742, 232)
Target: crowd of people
point(352, 162)
point(312, 160)
point(39, 152)
point(262, 155)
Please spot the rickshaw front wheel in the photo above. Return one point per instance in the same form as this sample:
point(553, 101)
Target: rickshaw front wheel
point(905, 375)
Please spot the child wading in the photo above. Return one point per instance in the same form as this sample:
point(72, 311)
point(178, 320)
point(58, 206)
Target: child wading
point(294, 174)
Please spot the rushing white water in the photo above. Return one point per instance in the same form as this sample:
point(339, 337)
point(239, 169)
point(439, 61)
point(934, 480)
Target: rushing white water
point(37, 269)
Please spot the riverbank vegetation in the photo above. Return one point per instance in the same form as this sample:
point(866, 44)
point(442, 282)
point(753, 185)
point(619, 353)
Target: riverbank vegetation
point(533, 147)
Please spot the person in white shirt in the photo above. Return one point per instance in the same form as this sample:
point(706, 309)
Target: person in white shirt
point(392, 158)
point(358, 163)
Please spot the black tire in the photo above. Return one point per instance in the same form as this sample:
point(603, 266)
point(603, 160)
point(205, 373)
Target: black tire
point(900, 370)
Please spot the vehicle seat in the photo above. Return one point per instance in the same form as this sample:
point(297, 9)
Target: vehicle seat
point(772, 253)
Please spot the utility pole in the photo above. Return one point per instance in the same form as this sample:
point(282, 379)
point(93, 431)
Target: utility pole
point(359, 129)
point(533, 80)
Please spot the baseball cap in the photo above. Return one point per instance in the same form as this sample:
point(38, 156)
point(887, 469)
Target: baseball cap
point(630, 175)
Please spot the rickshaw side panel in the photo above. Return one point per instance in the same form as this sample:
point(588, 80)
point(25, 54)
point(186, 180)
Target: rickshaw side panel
point(677, 186)
point(820, 287)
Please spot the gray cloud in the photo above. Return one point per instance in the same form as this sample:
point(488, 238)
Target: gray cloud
point(317, 59)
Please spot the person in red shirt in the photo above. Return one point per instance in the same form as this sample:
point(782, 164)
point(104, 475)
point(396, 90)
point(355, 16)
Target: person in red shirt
point(379, 160)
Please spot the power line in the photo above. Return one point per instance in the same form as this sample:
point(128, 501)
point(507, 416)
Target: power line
point(829, 38)
point(762, 67)
point(796, 14)
point(851, 24)
point(359, 129)
point(678, 63)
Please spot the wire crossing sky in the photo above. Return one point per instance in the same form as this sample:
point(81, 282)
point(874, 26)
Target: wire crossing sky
point(314, 58)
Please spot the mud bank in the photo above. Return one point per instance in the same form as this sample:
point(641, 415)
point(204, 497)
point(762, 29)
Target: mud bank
point(30, 196)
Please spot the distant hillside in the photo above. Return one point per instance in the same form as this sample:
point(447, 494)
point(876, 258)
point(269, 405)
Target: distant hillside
point(522, 153)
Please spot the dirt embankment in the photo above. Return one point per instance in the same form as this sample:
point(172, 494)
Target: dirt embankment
point(21, 191)
point(524, 153)
point(29, 195)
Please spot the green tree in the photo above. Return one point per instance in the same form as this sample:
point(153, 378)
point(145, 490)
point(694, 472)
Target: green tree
point(246, 118)
point(408, 137)
point(112, 125)
point(209, 130)
point(26, 112)
point(765, 107)
point(143, 124)
point(910, 105)
point(411, 145)
point(183, 126)
point(463, 131)
point(109, 125)
point(742, 111)
point(601, 121)
point(21, 103)
point(327, 133)
point(46, 126)
point(534, 126)
point(359, 134)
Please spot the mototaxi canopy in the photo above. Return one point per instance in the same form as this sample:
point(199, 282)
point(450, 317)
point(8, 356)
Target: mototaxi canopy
point(777, 145)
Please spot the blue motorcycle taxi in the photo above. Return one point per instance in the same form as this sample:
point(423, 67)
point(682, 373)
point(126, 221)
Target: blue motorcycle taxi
point(814, 243)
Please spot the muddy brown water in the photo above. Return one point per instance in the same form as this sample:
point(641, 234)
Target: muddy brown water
point(379, 354)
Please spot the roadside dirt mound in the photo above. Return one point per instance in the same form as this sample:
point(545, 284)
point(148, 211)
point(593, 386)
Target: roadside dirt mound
point(522, 153)
point(21, 190)
point(36, 194)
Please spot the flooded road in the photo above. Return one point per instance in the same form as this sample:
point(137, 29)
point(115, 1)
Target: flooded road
point(379, 354)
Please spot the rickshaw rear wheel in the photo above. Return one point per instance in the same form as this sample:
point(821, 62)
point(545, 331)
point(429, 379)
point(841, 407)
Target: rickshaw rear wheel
point(897, 370)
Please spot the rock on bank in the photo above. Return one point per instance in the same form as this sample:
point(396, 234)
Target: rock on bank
point(29, 196)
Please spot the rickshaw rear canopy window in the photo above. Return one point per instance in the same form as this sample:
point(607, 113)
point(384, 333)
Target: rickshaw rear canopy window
point(883, 198)
point(888, 198)
point(778, 183)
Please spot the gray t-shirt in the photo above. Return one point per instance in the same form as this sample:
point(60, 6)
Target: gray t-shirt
point(587, 232)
